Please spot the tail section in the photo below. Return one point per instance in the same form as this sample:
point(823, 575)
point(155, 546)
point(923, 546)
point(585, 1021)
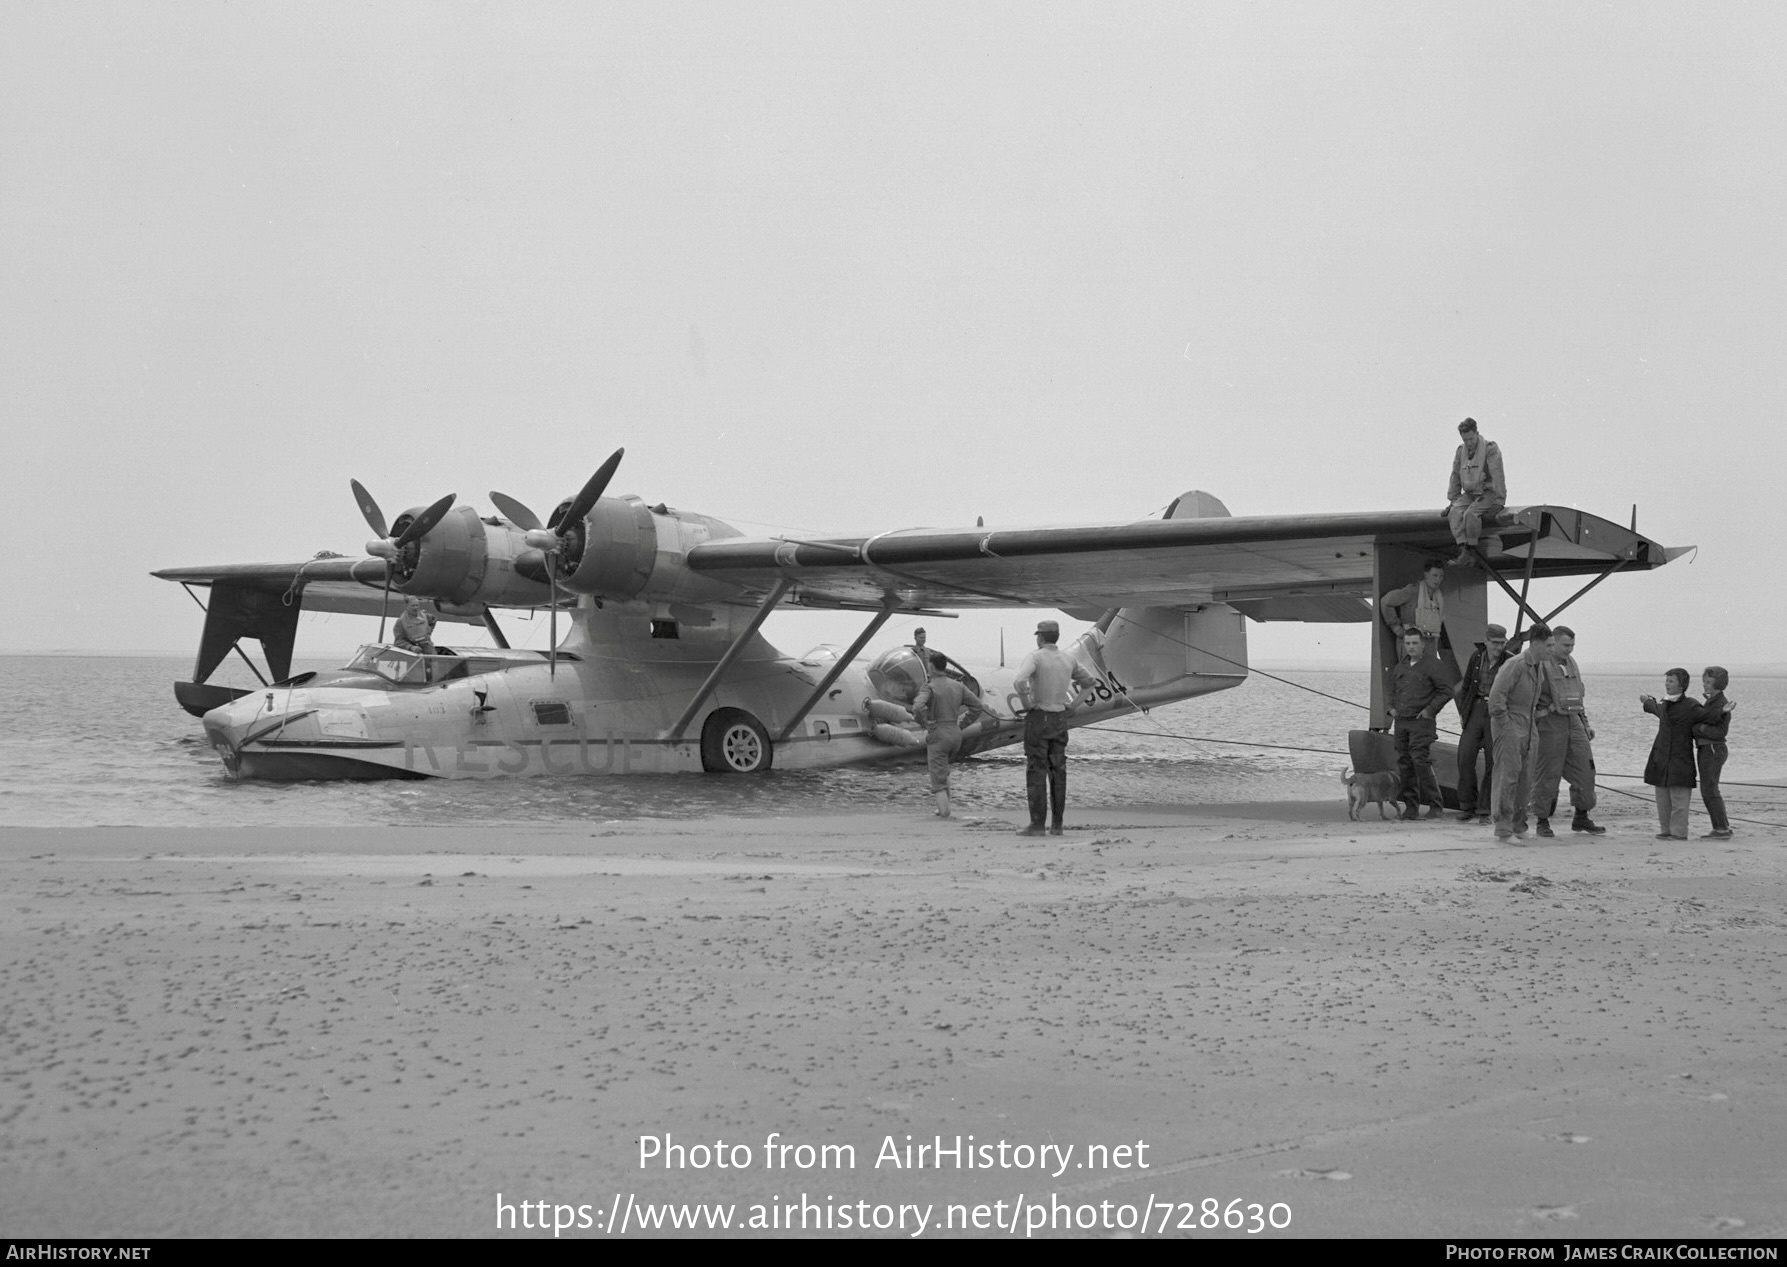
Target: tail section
point(1158, 654)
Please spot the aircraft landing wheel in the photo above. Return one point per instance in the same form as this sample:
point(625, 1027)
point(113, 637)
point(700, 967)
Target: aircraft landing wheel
point(734, 742)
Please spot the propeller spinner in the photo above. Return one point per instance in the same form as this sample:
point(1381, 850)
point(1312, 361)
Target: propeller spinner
point(551, 542)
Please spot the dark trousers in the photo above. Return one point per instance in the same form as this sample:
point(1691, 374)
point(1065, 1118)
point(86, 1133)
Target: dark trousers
point(1476, 739)
point(1711, 759)
point(1045, 764)
point(1414, 759)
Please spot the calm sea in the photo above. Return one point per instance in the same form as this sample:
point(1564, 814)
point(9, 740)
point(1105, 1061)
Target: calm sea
point(99, 740)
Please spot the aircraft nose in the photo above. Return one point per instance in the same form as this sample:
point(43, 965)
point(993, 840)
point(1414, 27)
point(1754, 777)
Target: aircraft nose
point(222, 743)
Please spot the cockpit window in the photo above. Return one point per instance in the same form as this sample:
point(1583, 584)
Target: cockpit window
point(409, 668)
point(401, 667)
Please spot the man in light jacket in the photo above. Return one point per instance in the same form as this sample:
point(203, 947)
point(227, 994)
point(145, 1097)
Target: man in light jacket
point(1478, 488)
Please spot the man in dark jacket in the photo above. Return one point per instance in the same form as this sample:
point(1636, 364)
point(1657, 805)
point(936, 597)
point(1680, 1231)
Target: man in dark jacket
point(1473, 710)
point(1710, 751)
point(1418, 691)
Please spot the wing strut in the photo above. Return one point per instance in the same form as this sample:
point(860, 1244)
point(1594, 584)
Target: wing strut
point(1520, 598)
point(1559, 609)
point(843, 662)
point(234, 646)
point(783, 585)
point(495, 629)
point(1532, 557)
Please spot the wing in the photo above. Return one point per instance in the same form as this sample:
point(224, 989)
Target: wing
point(1272, 567)
point(356, 586)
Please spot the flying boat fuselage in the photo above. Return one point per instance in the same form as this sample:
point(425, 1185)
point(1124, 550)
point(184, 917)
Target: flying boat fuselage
point(664, 669)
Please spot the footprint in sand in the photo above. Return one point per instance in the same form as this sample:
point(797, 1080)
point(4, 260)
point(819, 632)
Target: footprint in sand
point(1720, 1222)
point(1312, 1174)
point(1570, 1137)
point(1554, 1213)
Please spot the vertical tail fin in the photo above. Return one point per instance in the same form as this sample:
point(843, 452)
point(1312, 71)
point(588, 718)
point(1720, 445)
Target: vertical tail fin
point(1165, 653)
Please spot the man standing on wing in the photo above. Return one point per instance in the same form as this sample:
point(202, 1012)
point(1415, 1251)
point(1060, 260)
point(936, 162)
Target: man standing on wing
point(1045, 683)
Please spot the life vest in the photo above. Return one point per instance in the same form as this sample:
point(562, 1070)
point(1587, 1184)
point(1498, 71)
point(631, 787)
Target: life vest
point(1429, 611)
point(1566, 687)
point(1473, 471)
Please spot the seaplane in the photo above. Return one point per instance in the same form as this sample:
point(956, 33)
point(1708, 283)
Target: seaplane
point(663, 668)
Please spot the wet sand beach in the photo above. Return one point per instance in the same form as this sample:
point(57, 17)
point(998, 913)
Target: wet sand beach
point(1386, 1029)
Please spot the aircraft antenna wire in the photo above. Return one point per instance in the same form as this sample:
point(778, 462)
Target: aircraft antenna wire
point(1241, 664)
point(1239, 743)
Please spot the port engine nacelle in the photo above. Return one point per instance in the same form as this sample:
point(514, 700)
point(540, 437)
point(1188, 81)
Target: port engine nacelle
point(466, 560)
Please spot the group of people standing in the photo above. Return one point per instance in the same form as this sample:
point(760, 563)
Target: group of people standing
point(1523, 708)
point(1524, 711)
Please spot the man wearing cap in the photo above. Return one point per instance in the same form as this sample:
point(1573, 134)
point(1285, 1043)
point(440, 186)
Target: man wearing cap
point(1473, 709)
point(918, 646)
point(1045, 684)
point(1478, 488)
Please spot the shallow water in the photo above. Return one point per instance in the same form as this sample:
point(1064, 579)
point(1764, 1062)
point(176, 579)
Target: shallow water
point(98, 740)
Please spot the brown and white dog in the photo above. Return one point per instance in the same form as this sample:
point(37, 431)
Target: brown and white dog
point(1363, 789)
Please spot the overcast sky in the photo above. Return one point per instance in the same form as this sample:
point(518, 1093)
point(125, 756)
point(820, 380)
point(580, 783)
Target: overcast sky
point(850, 268)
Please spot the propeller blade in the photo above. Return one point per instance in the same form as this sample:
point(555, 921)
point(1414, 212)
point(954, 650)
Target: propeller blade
point(552, 636)
point(515, 512)
point(591, 491)
point(420, 526)
point(375, 518)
